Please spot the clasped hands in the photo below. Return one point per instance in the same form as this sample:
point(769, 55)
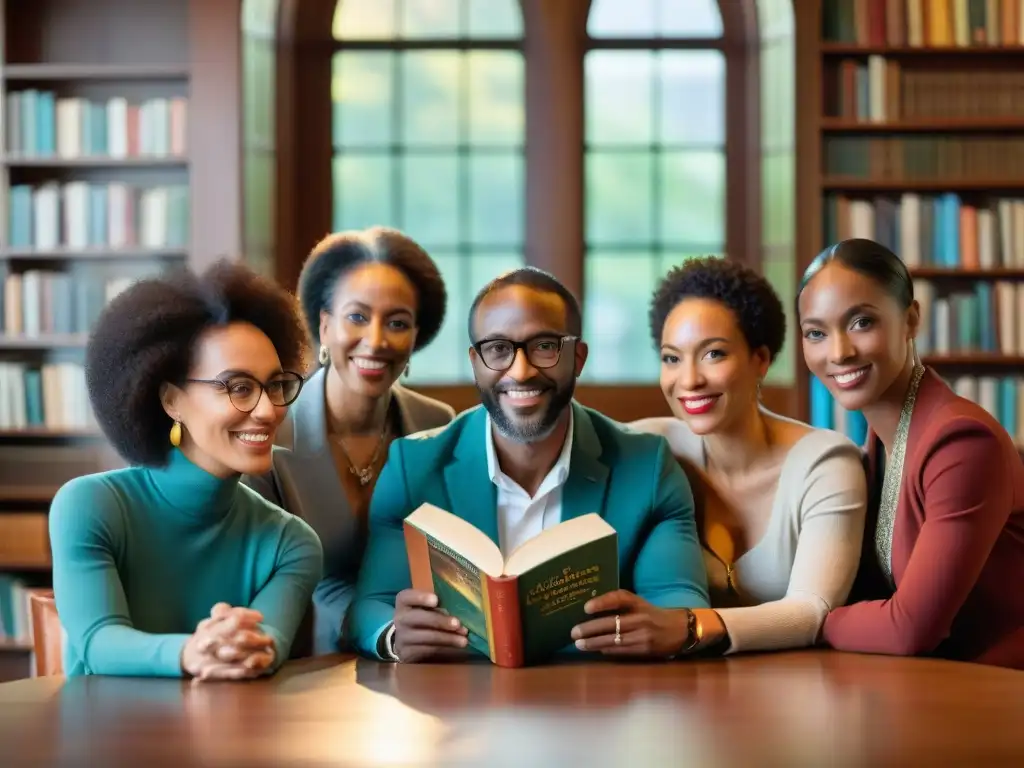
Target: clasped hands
point(228, 646)
point(423, 633)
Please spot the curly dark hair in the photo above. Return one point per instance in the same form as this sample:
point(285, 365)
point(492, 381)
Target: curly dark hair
point(747, 294)
point(341, 252)
point(146, 336)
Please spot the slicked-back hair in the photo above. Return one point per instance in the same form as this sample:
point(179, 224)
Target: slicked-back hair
point(871, 259)
point(538, 280)
point(146, 337)
point(749, 296)
point(339, 253)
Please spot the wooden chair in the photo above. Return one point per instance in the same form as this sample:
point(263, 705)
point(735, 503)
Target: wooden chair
point(46, 633)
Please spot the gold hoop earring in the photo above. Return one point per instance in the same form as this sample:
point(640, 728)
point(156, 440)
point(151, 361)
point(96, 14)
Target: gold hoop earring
point(325, 355)
point(176, 434)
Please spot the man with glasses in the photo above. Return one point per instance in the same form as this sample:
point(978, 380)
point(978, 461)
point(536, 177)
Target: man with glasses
point(530, 459)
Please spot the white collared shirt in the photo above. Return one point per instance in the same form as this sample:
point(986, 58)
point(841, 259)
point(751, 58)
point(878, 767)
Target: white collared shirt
point(521, 517)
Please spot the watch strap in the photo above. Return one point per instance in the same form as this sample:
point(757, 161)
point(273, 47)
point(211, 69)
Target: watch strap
point(389, 643)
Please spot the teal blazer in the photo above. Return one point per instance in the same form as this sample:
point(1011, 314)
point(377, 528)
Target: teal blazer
point(630, 479)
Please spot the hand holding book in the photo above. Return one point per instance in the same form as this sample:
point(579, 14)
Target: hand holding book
point(644, 630)
point(423, 633)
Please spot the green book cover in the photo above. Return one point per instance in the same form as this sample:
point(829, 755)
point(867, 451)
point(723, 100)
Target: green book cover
point(518, 610)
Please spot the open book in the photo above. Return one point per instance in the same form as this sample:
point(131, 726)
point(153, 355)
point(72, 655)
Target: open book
point(521, 609)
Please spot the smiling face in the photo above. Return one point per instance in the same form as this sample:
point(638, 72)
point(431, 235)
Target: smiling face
point(370, 329)
point(215, 434)
point(855, 335)
point(525, 401)
point(709, 375)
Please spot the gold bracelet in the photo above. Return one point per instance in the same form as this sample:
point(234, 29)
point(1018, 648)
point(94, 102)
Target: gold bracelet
point(694, 633)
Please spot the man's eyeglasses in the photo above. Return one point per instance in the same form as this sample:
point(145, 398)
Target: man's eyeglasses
point(542, 351)
point(245, 392)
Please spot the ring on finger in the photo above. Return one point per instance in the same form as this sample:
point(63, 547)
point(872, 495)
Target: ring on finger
point(618, 630)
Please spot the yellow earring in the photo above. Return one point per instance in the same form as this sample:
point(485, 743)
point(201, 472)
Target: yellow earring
point(325, 355)
point(176, 434)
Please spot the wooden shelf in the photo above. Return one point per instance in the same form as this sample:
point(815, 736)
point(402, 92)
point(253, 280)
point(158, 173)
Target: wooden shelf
point(94, 162)
point(924, 125)
point(71, 254)
point(852, 49)
point(43, 72)
point(12, 646)
point(48, 341)
point(975, 358)
point(854, 184)
point(996, 273)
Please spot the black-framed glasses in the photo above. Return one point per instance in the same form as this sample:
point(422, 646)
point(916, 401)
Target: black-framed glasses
point(245, 392)
point(543, 351)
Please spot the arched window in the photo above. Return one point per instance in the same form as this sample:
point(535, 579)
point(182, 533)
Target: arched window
point(655, 108)
point(428, 134)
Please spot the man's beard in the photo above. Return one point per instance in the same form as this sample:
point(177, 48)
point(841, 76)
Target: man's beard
point(535, 429)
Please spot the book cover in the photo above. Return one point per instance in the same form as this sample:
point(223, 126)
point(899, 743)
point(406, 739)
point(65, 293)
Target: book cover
point(517, 610)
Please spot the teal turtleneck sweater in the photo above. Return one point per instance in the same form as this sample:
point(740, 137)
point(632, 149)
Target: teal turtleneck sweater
point(141, 555)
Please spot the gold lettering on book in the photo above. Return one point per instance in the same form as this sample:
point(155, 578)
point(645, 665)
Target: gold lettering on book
point(564, 589)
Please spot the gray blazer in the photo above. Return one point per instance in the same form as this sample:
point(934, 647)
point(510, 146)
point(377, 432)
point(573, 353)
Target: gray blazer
point(304, 481)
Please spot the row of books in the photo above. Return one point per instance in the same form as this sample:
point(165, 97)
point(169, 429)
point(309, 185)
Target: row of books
point(52, 396)
point(15, 616)
point(924, 23)
point(924, 158)
point(82, 215)
point(988, 319)
point(882, 90)
point(41, 124)
point(941, 230)
point(39, 302)
point(1001, 396)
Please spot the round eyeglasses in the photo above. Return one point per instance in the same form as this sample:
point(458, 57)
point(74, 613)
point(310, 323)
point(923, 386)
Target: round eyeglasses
point(245, 392)
point(542, 351)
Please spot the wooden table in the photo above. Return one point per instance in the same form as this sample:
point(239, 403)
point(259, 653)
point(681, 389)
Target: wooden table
point(809, 708)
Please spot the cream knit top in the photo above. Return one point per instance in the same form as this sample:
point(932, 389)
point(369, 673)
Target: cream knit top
point(804, 564)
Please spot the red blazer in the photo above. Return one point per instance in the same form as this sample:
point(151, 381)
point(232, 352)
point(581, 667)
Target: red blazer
point(958, 543)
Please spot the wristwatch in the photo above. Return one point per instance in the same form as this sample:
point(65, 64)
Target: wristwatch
point(694, 633)
point(389, 644)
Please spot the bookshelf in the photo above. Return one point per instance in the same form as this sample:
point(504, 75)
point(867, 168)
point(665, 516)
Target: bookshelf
point(120, 127)
point(914, 131)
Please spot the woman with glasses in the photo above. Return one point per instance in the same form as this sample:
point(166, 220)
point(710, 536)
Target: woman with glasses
point(370, 299)
point(171, 567)
point(780, 505)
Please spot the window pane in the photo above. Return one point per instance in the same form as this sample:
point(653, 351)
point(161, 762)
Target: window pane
point(692, 18)
point(618, 290)
point(496, 200)
point(655, 18)
point(775, 18)
point(361, 90)
point(618, 192)
point(259, 197)
point(446, 358)
point(430, 18)
point(778, 198)
point(259, 17)
point(619, 92)
point(363, 191)
point(692, 97)
point(495, 97)
point(623, 18)
point(430, 200)
point(430, 91)
point(780, 270)
point(258, 83)
point(494, 18)
point(692, 200)
point(364, 20)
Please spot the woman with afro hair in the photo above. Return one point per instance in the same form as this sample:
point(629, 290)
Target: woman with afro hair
point(780, 505)
point(371, 299)
point(171, 567)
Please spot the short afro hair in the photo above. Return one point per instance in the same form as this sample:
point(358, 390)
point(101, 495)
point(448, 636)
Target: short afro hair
point(339, 253)
point(538, 280)
point(146, 336)
point(751, 298)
